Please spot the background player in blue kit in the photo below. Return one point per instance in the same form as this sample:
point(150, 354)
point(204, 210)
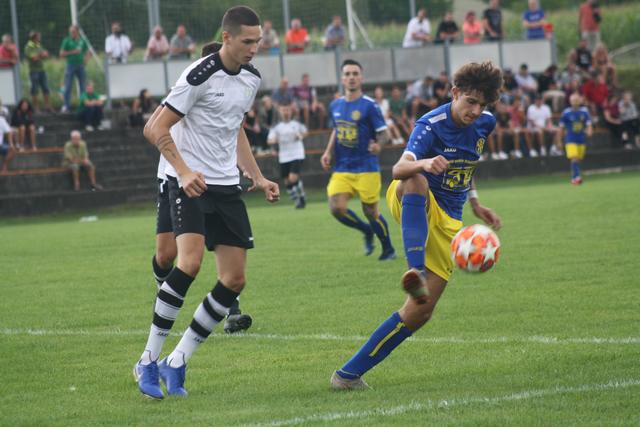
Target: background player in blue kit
point(433, 179)
point(359, 132)
point(576, 121)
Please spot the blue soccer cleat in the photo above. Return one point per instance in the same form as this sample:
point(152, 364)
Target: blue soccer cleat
point(368, 243)
point(387, 254)
point(173, 378)
point(148, 381)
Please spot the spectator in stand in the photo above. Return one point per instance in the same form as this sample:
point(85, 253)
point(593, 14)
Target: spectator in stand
point(447, 30)
point(510, 86)
point(267, 112)
point(630, 123)
point(502, 116)
point(581, 56)
point(517, 122)
point(117, 45)
point(76, 53)
point(22, 122)
point(306, 100)
point(4, 112)
point(76, 156)
point(256, 134)
point(157, 46)
point(398, 112)
point(283, 95)
point(418, 30)
point(492, 21)
point(36, 55)
point(90, 108)
point(533, 21)
point(603, 64)
point(596, 93)
point(612, 119)
point(538, 124)
point(181, 45)
point(442, 89)
point(549, 89)
point(420, 97)
point(270, 43)
point(297, 38)
point(7, 149)
point(383, 103)
point(141, 109)
point(570, 75)
point(334, 35)
point(589, 23)
point(8, 52)
point(471, 29)
point(526, 83)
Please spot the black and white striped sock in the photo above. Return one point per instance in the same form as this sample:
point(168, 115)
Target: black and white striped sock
point(159, 273)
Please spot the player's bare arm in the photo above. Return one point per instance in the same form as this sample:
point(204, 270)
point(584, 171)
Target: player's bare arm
point(484, 213)
point(158, 133)
point(249, 167)
point(382, 138)
point(407, 166)
point(325, 160)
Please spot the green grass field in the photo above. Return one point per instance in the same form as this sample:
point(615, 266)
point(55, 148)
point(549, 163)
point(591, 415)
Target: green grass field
point(551, 336)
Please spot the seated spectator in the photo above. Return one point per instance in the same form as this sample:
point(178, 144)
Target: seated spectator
point(526, 83)
point(334, 34)
point(447, 30)
point(181, 45)
point(256, 134)
point(157, 46)
point(442, 89)
point(630, 122)
point(117, 45)
point(90, 108)
point(7, 149)
point(22, 121)
point(502, 116)
point(418, 30)
point(517, 121)
point(603, 64)
point(596, 94)
point(581, 56)
point(492, 21)
point(398, 112)
point(4, 112)
point(141, 109)
point(270, 43)
point(283, 95)
point(538, 124)
point(612, 119)
point(510, 86)
point(8, 52)
point(420, 97)
point(378, 95)
point(471, 29)
point(549, 89)
point(569, 76)
point(76, 156)
point(297, 38)
point(533, 21)
point(306, 100)
point(267, 112)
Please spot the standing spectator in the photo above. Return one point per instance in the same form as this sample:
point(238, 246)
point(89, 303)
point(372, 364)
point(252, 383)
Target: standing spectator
point(282, 95)
point(629, 119)
point(36, 54)
point(581, 56)
point(157, 46)
point(117, 45)
point(447, 29)
point(538, 124)
point(90, 108)
point(383, 103)
point(442, 89)
point(398, 111)
point(418, 30)
point(526, 83)
point(334, 34)
point(533, 21)
point(471, 29)
point(8, 52)
point(76, 156)
point(603, 64)
point(181, 46)
point(492, 21)
point(22, 121)
point(589, 23)
point(270, 43)
point(7, 150)
point(141, 109)
point(306, 100)
point(297, 38)
point(74, 50)
point(596, 93)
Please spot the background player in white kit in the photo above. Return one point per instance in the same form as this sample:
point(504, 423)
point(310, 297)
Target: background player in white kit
point(288, 134)
point(199, 133)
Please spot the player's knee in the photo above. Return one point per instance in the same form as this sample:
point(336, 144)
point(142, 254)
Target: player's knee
point(190, 267)
point(166, 256)
point(338, 211)
point(416, 184)
point(234, 281)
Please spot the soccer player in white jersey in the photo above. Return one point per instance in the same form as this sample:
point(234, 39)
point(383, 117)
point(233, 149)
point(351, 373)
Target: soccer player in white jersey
point(288, 134)
point(199, 133)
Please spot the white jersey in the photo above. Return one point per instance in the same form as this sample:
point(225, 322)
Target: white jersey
point(212, 102)
point(287, 137)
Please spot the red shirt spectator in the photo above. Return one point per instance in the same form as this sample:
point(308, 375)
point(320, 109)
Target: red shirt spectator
point(297, 37)
point(8, 52)
point(596, 92)
point(587, 19)
point(472, 29)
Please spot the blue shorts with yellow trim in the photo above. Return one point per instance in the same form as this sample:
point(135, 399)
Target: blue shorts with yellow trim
point(365, 185)
point(575, 151)
point(442, 228)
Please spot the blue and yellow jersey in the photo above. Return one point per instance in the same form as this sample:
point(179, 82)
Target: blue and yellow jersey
point(436, 134)
point(356, 124)
point(575, 122)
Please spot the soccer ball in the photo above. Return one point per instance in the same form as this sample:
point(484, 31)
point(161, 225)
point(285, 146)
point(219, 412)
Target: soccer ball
point(475, 248)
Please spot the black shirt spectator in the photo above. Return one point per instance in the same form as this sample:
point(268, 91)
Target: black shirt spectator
point(492, 21)
point(581, 56)
point(447, 30)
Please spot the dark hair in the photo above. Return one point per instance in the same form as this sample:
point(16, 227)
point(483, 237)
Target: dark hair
point(210, 48)
point(485, 78)
point(350, 62)
point(237, 16)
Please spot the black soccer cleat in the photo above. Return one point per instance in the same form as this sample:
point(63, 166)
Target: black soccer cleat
point(237, 323)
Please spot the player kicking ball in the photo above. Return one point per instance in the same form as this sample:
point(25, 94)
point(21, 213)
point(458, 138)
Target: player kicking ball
point(432, 181)
point(576, 122)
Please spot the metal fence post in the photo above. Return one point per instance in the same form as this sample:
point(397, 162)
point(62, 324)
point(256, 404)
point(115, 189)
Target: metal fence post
point(17, 81)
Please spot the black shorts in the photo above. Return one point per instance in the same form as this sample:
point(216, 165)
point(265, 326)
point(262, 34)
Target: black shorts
point(219, 214)
point(294, 166)
point(163, 216)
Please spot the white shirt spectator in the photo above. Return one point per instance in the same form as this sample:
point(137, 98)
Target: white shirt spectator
point(4, 128)
point(538, 115)
point(526, 83)
point(117, 47)
point(415, 26)
point(287, 135)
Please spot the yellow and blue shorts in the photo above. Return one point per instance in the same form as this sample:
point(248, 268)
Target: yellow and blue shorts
point(442, 228)
point(365, 185)
point(575, 151)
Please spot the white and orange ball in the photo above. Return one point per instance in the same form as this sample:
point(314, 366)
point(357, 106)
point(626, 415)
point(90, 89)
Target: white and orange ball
point(476, 248)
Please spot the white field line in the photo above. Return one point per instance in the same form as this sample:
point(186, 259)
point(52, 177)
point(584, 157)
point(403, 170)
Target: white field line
point(331, 337)
point(420, 406)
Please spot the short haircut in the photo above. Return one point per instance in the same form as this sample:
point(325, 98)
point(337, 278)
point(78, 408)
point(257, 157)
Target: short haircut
point(485, 78)
point(210, 48)
point(237, 16)
point(350, 62)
